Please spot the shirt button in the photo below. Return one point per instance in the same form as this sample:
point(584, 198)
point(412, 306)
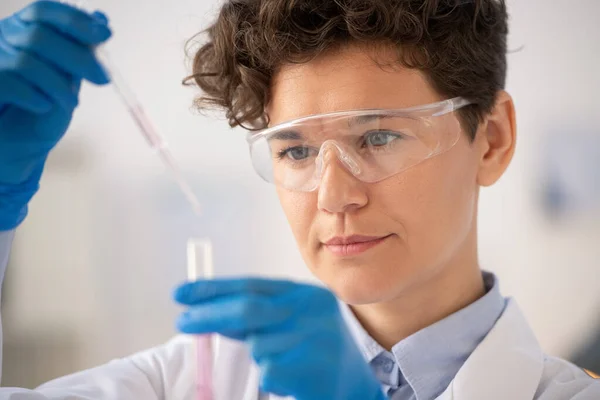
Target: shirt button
point(388, 366)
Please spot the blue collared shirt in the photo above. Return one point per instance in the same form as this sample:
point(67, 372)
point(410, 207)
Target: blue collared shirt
point(422, 366)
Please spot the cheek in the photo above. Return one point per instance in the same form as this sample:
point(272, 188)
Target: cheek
point(435, 203)
point(300, 210)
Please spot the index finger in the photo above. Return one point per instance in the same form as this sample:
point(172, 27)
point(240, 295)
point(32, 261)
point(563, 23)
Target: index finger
point(76, 23)
point(194, 292)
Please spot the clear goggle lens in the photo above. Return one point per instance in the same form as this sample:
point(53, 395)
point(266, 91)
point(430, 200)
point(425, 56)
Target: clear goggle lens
point(371, 144)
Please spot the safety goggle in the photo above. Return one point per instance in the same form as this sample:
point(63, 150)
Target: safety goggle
point(372, 144)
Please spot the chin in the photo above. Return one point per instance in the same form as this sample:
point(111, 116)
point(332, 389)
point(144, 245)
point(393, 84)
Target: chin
point(356, 285)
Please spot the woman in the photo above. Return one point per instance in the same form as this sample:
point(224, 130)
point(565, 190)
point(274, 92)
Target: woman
point(378, 122)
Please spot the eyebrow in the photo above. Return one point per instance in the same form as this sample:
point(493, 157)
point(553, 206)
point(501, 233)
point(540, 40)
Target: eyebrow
point(286, 135)
point(365, 119)
point(352, 122)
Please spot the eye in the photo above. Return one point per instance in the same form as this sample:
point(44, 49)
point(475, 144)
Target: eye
point(296, 153)
point(380, 138)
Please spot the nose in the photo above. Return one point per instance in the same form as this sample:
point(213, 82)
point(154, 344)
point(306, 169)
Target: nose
point(339, 190)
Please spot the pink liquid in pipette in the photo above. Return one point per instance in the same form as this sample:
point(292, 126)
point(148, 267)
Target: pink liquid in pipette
point(157, 143)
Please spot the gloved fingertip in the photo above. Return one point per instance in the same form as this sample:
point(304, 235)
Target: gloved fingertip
point(69, 104)
point(179, 326)
point(43, 106)
point(100, 17)
point(182, 323)
point(181, 293)
point(101, 77)
point(102, 32)
point(176, 294)
point(99, 82)
point(76, 86)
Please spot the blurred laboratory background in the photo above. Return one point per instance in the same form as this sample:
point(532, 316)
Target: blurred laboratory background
point(92, 268)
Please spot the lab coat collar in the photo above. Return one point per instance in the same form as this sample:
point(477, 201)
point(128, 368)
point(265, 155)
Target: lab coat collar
point(507, 364)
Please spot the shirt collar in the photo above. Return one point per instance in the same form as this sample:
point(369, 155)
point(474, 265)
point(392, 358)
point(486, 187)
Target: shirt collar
point(429, 359)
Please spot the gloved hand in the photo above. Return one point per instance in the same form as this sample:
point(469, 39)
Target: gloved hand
point(295, 333)
point(46, 50)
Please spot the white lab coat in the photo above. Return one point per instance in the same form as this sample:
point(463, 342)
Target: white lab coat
point(508, 365)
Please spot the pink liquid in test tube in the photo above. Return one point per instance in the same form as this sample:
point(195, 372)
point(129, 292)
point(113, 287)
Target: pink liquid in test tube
point(200, 265)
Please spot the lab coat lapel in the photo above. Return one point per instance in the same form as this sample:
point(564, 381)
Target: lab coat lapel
point(235, 375)
point(508, 364)
point(253, 388)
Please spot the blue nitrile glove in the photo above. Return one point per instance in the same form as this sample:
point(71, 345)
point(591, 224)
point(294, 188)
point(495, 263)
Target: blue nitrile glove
point(46, 49)
point(295, 333)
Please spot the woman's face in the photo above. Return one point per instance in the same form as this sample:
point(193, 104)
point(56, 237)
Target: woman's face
point(420, 220)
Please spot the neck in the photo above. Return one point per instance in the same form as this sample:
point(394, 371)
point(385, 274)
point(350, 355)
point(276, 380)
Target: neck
point(447, 291)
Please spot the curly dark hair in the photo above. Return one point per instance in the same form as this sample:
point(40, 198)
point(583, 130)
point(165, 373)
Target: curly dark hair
point(460, 45)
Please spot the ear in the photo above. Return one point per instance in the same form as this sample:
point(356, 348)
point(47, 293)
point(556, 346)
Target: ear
point(496, 139)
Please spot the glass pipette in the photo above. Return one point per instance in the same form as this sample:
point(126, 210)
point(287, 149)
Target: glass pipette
point(146, 128)
point(154, 139)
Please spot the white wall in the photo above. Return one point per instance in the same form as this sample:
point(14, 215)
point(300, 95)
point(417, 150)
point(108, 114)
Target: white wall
point(93, 266)
point(552, 269)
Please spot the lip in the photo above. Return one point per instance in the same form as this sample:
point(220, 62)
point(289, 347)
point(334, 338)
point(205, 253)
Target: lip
point(346, 246)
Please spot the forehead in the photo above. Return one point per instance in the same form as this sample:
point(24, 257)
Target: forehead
point(346, 79)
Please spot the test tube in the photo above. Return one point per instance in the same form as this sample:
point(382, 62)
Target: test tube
point(200, 266)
